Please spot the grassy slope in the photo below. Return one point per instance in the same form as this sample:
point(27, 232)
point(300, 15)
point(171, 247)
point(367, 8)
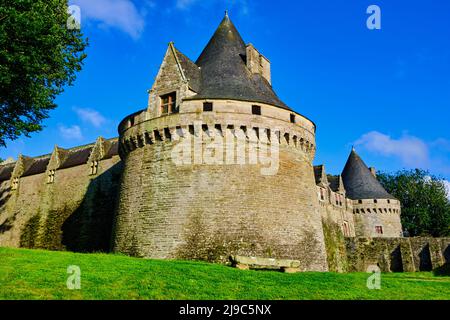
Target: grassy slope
point(36, 274)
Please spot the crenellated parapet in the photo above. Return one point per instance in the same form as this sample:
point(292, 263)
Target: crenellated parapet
point(376, 206)
point(230, 119)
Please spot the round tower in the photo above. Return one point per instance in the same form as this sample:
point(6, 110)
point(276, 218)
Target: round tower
point(376, 212)
point(217, 164)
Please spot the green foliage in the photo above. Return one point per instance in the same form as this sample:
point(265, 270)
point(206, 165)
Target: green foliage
point(30, 232)
point(425, 206)
point(335, 246)
point(37, 274)
point(39, 56)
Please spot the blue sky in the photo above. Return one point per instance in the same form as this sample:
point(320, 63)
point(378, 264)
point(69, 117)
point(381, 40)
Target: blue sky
point(385, 91)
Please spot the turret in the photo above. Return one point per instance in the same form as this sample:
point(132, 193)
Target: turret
point(376, 212)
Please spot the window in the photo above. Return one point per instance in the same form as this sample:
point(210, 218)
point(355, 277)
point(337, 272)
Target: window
point(375, 200)
point(292, 118)
point(322, 194)
point(51, 176)
point(256, 110)
point(168, 103)
point(359, 201)
point(207, 106)
point(15, 184)
point(389, 201)
point(379, 229)
point(94, 168)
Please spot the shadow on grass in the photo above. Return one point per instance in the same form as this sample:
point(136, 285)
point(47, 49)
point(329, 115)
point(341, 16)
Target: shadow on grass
point(443, 270)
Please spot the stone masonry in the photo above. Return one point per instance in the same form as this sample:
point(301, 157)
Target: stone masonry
point(216, 166)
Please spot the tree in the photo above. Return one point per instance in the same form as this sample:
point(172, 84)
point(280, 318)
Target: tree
point(425, 206)
point(39, 56)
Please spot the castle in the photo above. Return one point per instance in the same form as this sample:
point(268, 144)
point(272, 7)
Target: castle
point(215, 165)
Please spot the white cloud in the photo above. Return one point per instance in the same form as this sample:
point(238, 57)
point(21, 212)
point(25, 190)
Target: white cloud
point(70, 133)
point(240, 5)
point(184, 4)
point(412, 151)
point(447, 186)
point(90, 116)
point(120, 14)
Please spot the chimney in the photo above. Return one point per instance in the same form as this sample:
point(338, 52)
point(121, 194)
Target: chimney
point(373, 171)
point(257, 63)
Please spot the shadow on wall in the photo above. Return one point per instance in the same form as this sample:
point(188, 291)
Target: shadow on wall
point(396, 264)
point(80, 227)
point(88, 228)
point(425, 259)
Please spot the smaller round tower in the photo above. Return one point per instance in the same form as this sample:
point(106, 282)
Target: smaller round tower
point(376, 212)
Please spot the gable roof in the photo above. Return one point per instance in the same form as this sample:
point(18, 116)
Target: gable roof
point(224, 72)
point(6, 171)
point(320, 175)
point(39, 165)
point(113, 149)
point(336, 184)
point(190, 70)
point(77, 157)
point(359, 181)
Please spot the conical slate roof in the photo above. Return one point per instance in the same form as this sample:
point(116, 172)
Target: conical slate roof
point(224, 73)
point(359, 181)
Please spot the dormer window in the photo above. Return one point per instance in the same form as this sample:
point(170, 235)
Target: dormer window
point(51, 176)
point(168, 103)
point(94, 168)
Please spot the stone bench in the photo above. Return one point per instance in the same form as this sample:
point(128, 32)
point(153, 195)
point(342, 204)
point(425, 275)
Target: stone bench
point(245, 263)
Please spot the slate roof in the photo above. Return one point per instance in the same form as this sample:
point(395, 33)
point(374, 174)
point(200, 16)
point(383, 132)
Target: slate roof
point(318, 173)
point(6, 171)
point(334, 182)
point(113, 149)
point(77, 157)
point(191, 71)
point(39, 165)
point(224, 73)
point(359, 181)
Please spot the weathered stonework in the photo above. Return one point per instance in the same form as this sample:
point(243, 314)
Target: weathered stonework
point(226, 170)
point(73, 212)
point(207, 211)
point(397, 254)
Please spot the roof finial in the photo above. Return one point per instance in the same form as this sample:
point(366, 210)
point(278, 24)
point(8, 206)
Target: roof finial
point(353, 148)
point(226, 13)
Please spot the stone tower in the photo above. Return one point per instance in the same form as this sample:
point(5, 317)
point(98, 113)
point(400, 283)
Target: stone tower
point(376, 212)
point(218, 164)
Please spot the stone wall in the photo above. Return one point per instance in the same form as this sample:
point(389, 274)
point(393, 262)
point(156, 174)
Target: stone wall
point(397, 254)
point(75, 212)
point(333, 218)
point(370, 213)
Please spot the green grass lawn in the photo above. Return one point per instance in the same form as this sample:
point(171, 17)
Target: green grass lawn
point(38, 274)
